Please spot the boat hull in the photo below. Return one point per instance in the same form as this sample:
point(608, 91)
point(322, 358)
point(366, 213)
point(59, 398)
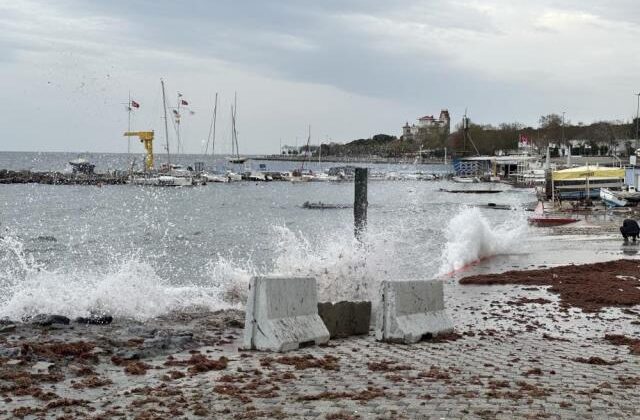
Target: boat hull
point(162, 181)
point(610, 198)
point(543, 221)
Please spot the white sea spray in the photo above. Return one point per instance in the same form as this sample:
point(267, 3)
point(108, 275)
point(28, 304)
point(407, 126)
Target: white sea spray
point(471, 237)
point(129, 286)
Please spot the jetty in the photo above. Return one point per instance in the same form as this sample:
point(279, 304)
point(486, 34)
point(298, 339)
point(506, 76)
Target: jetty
point(60, 178)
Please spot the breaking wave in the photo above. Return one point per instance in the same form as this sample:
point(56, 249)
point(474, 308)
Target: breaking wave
point(469, 237)
point(345, 268)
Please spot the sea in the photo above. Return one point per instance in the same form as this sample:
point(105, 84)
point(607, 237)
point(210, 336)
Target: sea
point(141, 252)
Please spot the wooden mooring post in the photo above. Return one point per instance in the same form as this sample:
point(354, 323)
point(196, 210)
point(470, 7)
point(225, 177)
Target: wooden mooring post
point(360, 203)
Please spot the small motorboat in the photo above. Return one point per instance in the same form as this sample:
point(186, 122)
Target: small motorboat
point(322, 206)
point(82, 166)
point(471, 191)
point(497, 206)
point(541, 219)
point(465, 179)
point(213, 177)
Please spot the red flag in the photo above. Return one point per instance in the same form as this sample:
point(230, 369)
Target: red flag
point(135, 104)
point(183, 102)
point(524, 139)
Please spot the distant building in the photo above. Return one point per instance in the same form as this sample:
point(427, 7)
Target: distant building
point(289, 150)
point(616, 147)
point(427, 125)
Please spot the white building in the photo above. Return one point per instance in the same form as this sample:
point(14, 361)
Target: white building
point(427, 123)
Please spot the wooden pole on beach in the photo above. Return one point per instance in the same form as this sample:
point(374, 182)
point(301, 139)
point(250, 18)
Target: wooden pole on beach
point(360, 203)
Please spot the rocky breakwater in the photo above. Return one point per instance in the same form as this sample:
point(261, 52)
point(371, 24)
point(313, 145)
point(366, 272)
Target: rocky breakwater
point(58, 178)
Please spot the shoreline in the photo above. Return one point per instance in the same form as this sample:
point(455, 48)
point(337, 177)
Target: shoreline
point(187, 363)
point(355, 159)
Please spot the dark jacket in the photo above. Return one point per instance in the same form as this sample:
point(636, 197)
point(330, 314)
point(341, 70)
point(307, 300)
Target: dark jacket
point(630, 227)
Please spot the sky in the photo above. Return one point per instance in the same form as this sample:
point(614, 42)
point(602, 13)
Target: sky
point(348, 69)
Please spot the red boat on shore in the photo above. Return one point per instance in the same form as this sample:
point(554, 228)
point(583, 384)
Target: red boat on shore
point(541, 219)
point(548, 221)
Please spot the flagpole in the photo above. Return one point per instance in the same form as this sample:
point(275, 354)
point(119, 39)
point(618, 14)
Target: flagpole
point(178, 123)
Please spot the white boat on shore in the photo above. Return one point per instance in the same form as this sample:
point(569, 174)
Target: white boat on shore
point(611, 199)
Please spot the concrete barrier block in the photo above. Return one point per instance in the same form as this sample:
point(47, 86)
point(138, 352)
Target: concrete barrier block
point(344, 319)
point(411, 310)
point(282, 314)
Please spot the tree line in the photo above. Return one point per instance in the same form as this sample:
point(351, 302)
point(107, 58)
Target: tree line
point(598, 138)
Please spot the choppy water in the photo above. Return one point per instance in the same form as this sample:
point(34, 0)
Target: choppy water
point(140, 252)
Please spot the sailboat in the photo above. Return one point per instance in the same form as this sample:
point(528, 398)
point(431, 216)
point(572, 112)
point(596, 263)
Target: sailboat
point(299, 175)
point(169, 175)
point(235, 151)
point(213, 176)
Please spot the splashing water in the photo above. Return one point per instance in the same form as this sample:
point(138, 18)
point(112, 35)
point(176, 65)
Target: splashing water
point(470, 237)
point(131, 290)
point(345, 268)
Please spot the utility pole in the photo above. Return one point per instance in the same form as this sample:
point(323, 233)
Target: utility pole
point(637, 120)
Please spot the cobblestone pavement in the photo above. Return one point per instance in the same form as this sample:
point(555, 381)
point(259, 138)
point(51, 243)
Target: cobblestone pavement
point(513, 359)
point(487, 375)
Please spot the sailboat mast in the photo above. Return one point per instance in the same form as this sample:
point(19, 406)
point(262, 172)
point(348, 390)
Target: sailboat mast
point(212, 129)
point(215, 117)
point(129, 124)
point(235, 116)
point(166, 126)
point(233, 131)
point(307, 149)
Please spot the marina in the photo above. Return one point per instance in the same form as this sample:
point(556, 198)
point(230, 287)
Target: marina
point(319, 210)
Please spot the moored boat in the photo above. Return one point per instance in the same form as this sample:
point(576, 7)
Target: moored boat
point(465, 179)
point(82, 166)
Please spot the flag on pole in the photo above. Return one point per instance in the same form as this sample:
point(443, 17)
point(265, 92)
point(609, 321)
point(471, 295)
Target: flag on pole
point(523, 140)
point(135, 104)
point(183, 102)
